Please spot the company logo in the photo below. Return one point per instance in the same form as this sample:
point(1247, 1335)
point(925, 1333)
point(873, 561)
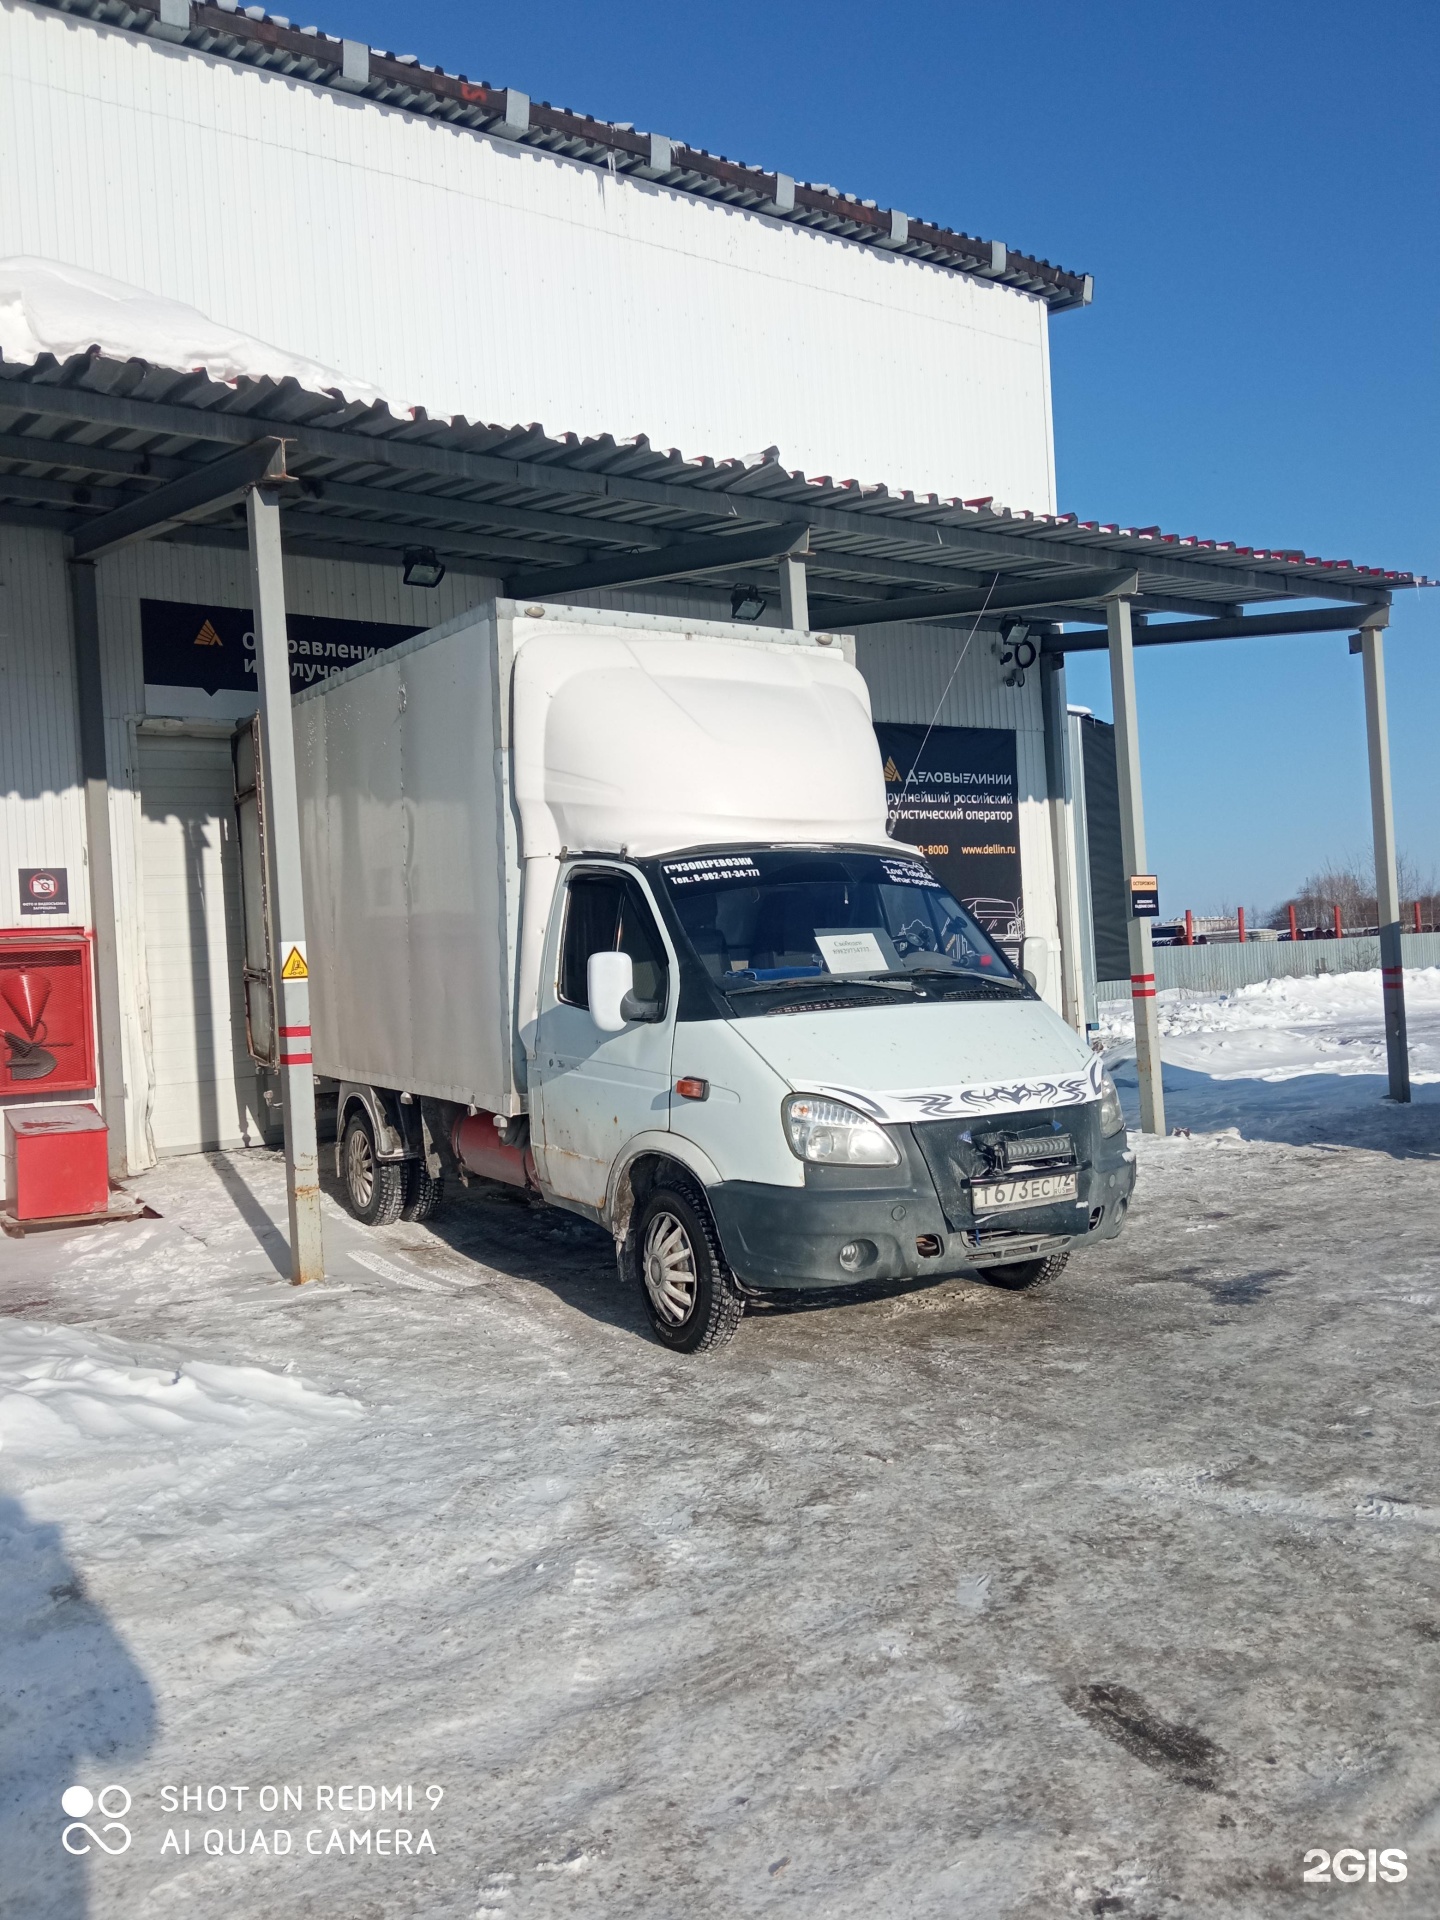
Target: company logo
point(112, 1803)
point(208, 637)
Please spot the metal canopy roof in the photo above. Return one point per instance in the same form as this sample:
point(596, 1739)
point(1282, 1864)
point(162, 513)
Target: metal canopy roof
point(89, 436)
point(253, 38)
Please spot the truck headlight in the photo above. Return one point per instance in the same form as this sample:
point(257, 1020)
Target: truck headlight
point(834, 1135)
point(1112, 1115)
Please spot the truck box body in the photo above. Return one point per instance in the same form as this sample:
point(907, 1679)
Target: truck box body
point(440, 783)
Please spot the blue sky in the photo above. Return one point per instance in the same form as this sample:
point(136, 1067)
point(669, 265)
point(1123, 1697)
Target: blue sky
point(1254, 188)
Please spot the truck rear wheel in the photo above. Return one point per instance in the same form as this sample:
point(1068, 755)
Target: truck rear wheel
point(374, 1188)
point(424, 1191)
point(1020, 1275)
point(693, 1302)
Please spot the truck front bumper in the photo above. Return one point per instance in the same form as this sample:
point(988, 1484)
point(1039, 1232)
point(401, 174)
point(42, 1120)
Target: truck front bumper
point(837, 1232)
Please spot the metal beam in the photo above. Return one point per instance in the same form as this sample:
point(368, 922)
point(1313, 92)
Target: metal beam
point(282, 856)
point(678, 562)
point(974, 547)
point(503, 551)
point(99, 855)
point(794, 593)
point(1000, 597)
point(1253, 626)
point(1059, 793)
point(1132, 847)
point(208, 488)
point(1387, 880)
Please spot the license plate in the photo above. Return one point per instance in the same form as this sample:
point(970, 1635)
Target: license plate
point(1036, 1190)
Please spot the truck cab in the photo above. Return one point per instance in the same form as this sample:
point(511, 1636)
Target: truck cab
point(755, 1030)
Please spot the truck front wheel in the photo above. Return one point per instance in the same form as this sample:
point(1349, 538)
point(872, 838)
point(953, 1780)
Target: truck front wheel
point(693, 1302)
point(374, 1188)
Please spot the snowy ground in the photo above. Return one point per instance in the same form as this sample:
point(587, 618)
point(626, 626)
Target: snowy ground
point(1112, 1599)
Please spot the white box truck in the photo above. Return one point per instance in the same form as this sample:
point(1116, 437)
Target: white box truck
point(603, 905)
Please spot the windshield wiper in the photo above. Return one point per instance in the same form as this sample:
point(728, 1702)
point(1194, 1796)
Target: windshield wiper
point(964, 973)
point(826, 985)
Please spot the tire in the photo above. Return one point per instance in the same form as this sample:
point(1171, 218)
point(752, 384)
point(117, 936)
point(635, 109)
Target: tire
point(690, 1295)
point(1020, 1275)
point(374, 1188)
point(424, 1192)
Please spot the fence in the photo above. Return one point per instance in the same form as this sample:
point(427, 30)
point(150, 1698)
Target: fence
point(1223, 968)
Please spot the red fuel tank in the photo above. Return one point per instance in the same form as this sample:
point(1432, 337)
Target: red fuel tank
point(479, 1149)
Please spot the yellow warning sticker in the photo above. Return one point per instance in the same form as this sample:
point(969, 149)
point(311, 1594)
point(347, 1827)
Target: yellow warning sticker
point(295, 967)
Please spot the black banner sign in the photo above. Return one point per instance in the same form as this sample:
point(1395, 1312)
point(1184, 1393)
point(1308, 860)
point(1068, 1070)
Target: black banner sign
point(958, 804)
point(185, 645)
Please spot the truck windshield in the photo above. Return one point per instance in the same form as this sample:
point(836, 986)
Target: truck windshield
point(850, 922)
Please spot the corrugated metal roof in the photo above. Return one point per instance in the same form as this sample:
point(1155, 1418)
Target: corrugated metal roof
point(80, 437)
point(252, 37)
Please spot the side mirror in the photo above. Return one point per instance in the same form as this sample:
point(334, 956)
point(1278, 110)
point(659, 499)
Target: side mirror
point(1035, 961)
point(609, 977)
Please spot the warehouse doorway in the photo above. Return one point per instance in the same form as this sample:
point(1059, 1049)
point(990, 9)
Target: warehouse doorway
point(204, 1090)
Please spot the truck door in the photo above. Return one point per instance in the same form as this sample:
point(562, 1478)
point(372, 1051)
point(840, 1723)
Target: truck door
point(597, 1090)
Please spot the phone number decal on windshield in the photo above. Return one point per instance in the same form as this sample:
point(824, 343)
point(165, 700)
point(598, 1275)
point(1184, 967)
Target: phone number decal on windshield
point(720, 866)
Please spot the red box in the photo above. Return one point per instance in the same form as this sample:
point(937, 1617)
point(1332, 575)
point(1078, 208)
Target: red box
point(47, 1019)
point(58, 1161)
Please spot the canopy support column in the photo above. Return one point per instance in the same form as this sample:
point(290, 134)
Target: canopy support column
point(794, 594)
point(1387, 879)
point(99, 853)
point(282, 856)
point(1132, 844)
point(1059, 783)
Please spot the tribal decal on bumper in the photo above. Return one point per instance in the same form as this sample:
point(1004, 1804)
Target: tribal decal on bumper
point(980, 1098)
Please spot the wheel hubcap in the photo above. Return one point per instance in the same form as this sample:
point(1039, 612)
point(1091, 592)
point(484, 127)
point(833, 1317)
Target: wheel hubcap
point(360, 1168)
point(668, 1264)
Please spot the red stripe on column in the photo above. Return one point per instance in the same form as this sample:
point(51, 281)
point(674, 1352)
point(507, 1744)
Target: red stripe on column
point(294, 1033)
point(296, 1059)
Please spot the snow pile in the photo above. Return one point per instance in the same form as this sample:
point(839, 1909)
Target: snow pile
point(59, 1387)
point(1283, 1029)
point(48, 307)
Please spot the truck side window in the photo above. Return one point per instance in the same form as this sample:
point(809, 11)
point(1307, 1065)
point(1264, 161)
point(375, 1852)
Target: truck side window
point(605, 912)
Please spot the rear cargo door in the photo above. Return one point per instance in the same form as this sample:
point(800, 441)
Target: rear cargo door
point(595, 1091)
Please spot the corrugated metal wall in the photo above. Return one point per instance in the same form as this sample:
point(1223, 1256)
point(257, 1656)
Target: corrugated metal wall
point(42, 808)
point(1228, 967)
point(42, 821)
point(471, 276)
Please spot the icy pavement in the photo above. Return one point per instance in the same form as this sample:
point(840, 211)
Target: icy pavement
point(1111, 1599)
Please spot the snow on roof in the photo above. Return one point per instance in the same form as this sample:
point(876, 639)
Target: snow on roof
point(49, 307)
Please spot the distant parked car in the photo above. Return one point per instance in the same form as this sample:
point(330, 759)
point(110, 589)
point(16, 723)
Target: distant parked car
point(1171, 933)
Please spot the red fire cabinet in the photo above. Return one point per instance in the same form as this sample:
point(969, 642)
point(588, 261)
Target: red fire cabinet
point(47, 1018)
point(57, 1161)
